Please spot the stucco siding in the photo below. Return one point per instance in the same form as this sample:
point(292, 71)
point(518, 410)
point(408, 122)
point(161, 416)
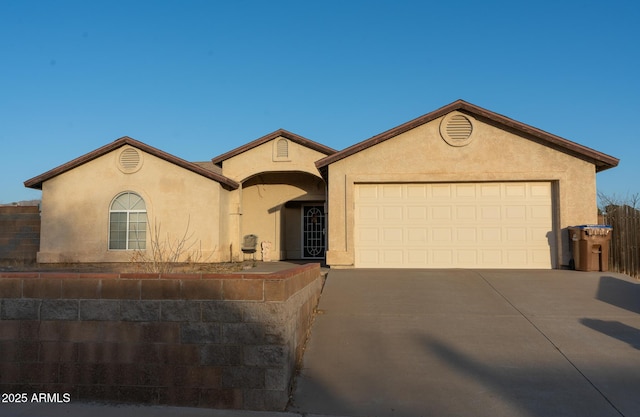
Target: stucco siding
point(265, 214)
point(269, 182)
point(76, 204)
point(421, 155)
point(261, 159)
point(228, 225)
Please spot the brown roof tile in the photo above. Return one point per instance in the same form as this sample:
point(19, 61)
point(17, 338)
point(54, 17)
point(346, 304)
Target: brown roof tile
point(210, 166)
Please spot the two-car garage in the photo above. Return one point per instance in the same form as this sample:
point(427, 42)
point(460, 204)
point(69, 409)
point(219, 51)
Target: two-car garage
point(460, 187)
point(445, 225)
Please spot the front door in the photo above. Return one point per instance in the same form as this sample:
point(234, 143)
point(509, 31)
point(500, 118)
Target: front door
point(313, 227)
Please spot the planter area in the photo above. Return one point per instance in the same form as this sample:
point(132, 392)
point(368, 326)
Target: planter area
point(190, 339)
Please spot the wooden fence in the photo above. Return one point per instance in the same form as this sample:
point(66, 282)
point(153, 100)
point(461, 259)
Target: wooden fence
point(624, 254)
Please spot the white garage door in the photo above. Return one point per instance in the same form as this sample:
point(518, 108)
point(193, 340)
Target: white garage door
point(459, 225)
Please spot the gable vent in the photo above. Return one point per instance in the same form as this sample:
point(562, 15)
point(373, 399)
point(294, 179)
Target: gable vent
point(129, 160)
point(283, 149)
point(459, 127)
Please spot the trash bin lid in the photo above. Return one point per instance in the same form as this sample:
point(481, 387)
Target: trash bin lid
point(593, 226)
point(594, 229)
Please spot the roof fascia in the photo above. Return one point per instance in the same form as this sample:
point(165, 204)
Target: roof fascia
point(36, 182)
point(600, 160)
point(273, 135)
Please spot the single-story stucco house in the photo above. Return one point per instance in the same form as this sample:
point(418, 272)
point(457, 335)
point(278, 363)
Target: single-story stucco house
point(459, 187)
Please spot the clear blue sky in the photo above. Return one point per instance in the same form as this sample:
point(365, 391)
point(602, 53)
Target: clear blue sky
point(198, 78)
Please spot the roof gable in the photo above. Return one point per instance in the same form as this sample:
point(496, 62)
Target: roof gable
point(36, 182)
point(600, 160)
point(264, 139)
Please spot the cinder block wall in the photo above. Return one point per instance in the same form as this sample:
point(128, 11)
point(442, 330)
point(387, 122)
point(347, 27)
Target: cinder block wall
point(204, 340)
point(19, 233)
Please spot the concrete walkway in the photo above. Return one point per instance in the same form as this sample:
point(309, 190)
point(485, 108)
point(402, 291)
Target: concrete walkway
point(474, 343)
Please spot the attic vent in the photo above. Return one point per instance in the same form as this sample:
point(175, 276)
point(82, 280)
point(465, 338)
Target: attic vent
point(130, 160)
point(459, 127)
point(456, 129)
point(283, 148)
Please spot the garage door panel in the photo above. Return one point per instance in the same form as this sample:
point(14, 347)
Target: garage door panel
point(392, 213)
point(392, 191)
point(490, 191)
point(515, 190)
point(417, 192)
point(467, 257)
point(517, 256)
point(466, 234)
point(442, 258)
point(417, 257)
point(416, 213)
point(491, 257)
point(417, 235)
point(440, 191)
point(542, 191)
point(540, 256)
point(392, 236)
point(465, 190)
point(537, 233)
point(442, 235)
point(368, 213)
point(517, 234)
point(492, 225)
point(466, 213)
point(516, 212)
point(441, 213)
point(367, 192)
point(369, 257)
point(368, 235)
point(539, 212)
point(491, 213)
point(491, 235)
point(393, 257)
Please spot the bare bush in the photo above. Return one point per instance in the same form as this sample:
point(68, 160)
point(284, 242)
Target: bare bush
point(165, 254)
point(631, 200)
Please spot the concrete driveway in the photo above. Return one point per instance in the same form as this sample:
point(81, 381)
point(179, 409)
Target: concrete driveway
point(473, 343)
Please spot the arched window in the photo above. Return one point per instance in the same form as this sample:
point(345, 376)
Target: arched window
point(128, 222)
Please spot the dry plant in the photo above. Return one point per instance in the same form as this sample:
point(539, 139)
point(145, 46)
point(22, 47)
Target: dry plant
point(631, 200)
point(164, 255)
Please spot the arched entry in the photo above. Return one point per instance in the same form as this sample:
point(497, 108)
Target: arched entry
point(286, 209)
